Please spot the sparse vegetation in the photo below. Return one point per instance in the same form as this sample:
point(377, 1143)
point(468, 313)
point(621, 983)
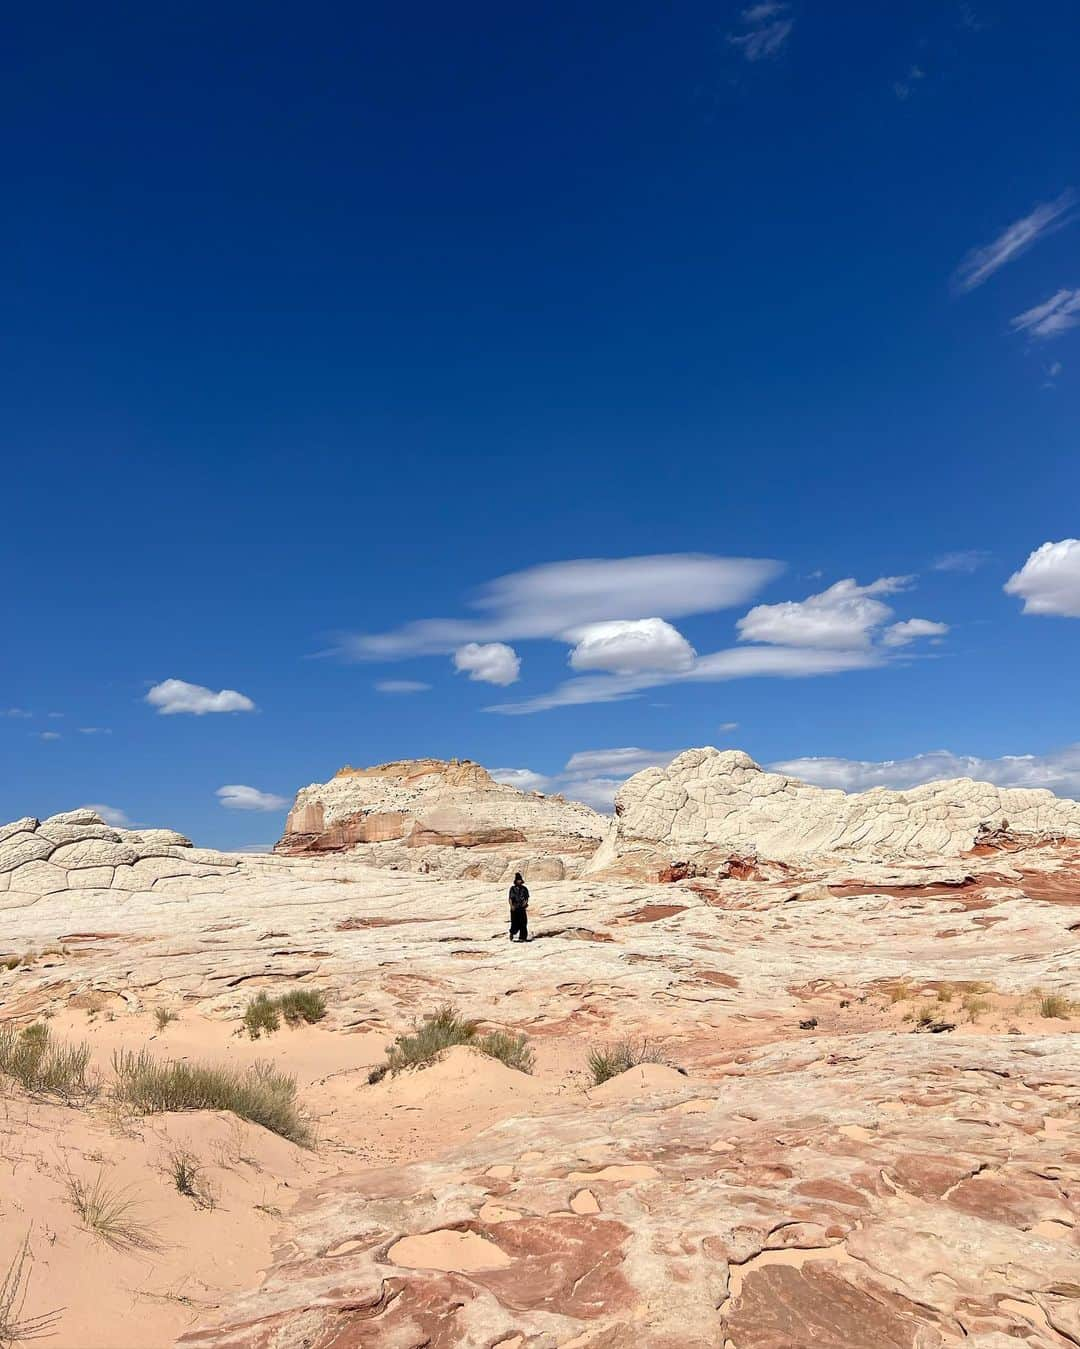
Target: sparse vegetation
point(607, 1061)
point(186, 1173)
point(259, 1094)
point(444, 1028)
point(975, 1006)
point(944, 994)
point(14, 1328)
point(262, 1016)
point(299, 1006)
point(163, 1017)
point(111, 1213)
point(12, 963)
point(925, 1016)
point(1054, 1005)
point(900, 991)
point(302, 1005)
point(42, 1067)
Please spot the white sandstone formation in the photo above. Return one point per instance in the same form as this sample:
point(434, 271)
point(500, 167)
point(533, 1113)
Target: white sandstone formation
point(706, 798)
point(416, 814)
point(77, 850)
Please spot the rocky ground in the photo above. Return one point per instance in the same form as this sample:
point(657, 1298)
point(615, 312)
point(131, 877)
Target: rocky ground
point(874, 1139)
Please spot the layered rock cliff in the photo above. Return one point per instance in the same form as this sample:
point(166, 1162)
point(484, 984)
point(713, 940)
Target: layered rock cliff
point(428, 806)
point(706, 798)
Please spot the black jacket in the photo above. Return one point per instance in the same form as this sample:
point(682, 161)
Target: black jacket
point(519, 897)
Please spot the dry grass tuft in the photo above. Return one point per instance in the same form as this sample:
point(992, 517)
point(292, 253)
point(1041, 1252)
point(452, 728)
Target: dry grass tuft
point(112, 1214)
point(44, 1068)
point(259, 1094)
point(163, 1017)
point(608, 1061)
point(975, 1006)
point(15, 1329)
point(1054, 1005)
point(444, 1028)
point(186, 1173)
point(262, 1016)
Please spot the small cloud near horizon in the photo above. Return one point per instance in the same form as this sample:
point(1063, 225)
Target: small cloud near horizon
point(174, 696)
point(239, 797)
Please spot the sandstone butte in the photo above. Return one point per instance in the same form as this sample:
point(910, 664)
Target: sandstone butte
point(858, 1123)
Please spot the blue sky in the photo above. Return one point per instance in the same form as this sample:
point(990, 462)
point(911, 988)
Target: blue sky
point(318, 324)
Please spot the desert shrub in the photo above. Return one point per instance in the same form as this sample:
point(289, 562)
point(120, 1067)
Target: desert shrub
point(43, 1067)
point(302, 1004)
point(513, 1050)
point(608, 1061)
point(945, 994)
point(444, 1028)
point(12, 963)
point(164, 1017)
point(14, 1328)
point(262, 1016)
point(1054, 1005)
point(186, 1173)
point(259, 1094)
point(975, 1006)
point(925, 1016)
point(111, 1213)
point(900, 991)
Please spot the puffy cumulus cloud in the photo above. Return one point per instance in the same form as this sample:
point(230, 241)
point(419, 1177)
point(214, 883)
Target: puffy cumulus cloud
point(1058, 772)
point(981, 263)
point(401, 686)
point(557, 597)
point(630, 646)
point(1049, 581)
point(844, 617)
point(1051, 318)
point(110, 814)
point(173, 696)
point(903, 634)
point(238, 797)
point(488, 662)
point(966, 560)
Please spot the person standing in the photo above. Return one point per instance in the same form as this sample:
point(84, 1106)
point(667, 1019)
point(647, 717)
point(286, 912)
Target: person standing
point(519, 910)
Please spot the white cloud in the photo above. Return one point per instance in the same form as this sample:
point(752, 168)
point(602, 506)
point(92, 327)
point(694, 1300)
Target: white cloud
point(1049, 581)
point(728, 726)
point(1051, 318)
point(1054, 369)
point(629, 646)
point(237, 797)
point(592, 776)
point(111, 815)
point(95, 730)
point(55, 715)
point(845, 616)
point(524, 779)
point(904, 88)
point(767, 29)
point(176, 695)
point(558, 597)
point(488, 662)
point(51, 735)
point(903, 634)
point(401, 686)
point(981, 263)
point(18, 712)
point(967, 560)
point(1059, 772)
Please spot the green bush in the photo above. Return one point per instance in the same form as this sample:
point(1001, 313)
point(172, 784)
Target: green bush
point(259, 1094)
point(30, 1057)
point(302, 1005)
point(513, 1050)
point(261, 1016)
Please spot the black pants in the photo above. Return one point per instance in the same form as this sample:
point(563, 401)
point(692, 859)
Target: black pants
point(519, 924)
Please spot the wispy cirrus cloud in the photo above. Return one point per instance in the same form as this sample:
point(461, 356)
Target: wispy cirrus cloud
point(559, 597)
point(840, 629)
point(240, 797)
point(765, 29)
point(592, 776)
point(1058, 772)
point(981, 263)
point(401, 686)
point(966, 560)
point(1051, 318)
